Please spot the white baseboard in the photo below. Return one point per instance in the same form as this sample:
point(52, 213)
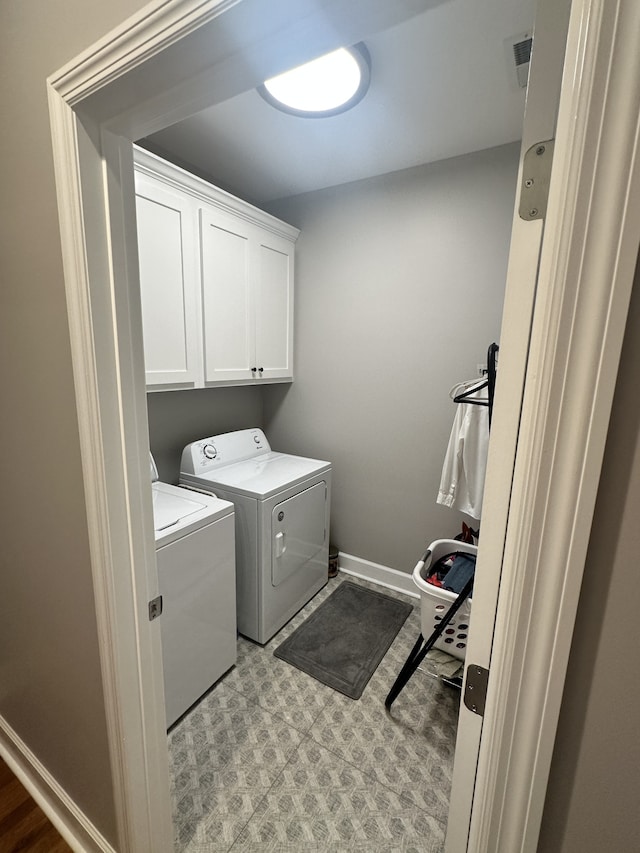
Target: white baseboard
point(72, 823)
point(376, 573)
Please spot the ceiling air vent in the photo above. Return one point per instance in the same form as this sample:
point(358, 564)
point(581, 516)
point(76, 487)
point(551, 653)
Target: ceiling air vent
point(519, 48)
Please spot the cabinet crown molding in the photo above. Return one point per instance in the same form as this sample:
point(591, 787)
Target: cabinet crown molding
point(178, 178)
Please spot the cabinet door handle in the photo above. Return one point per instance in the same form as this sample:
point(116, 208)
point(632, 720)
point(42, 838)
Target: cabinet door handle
point(253, 369)
point(260, 369)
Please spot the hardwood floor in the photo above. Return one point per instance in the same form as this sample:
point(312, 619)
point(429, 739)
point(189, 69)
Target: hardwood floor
point(24, 827)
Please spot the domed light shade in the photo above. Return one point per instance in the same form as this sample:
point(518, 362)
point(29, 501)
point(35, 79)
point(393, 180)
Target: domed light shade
point(325, 86)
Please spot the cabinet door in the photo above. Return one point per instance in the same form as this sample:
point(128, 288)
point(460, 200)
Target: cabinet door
point(227, 298)
point(167, 252)
point(274, 307)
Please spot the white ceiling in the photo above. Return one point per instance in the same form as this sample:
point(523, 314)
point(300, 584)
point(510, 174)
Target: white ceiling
point(442, 84)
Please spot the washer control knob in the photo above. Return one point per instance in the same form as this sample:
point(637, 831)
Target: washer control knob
point(256, 438)
point(210, 451)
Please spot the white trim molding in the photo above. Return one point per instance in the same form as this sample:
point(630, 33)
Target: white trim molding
point(58, 806)
point(157, 26)
point(120, 533)
point(378, 574)
point(589, 254)
point(147, 163)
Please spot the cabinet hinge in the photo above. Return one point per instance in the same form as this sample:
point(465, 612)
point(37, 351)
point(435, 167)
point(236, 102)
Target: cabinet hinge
point(155, 608)
point(475, 688)
point(536, 174)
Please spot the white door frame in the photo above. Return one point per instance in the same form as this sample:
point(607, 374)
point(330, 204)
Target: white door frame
point(587, 264)
point(540, 122)
point(112, 94)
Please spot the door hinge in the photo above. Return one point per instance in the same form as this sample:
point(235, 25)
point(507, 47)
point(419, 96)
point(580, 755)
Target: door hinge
point(155, 608)
point(475, 688)
point(536, 175)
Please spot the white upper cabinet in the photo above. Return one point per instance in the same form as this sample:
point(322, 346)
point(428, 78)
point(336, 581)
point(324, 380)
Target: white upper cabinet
point(227, 297)
point(247, 298)
point(168, 254)
point(274, 307)
point(216, 279)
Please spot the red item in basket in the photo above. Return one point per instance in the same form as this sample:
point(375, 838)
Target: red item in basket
point(434, 580)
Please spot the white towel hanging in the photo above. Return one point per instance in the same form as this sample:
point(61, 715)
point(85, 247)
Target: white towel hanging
point(465, 464)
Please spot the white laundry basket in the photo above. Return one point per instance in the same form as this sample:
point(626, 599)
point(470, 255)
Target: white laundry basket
point(435, 601)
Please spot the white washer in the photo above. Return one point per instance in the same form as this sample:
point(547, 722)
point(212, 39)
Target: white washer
point(282, 523)
point(195, 554)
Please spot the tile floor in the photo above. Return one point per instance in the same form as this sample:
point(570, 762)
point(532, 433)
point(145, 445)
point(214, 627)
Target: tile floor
point(272, 760)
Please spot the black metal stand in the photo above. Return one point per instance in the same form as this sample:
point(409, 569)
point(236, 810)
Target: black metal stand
point(418, 652)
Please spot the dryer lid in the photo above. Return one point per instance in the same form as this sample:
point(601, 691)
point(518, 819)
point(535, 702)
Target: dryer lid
point(262, 476)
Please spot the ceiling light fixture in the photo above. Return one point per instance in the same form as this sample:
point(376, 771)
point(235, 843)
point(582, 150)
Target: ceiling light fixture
point(326, 86)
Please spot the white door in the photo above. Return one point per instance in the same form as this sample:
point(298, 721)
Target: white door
point(227, 298)
point(274, 307)
point(196, 577)
point(168, 284)
point(541, 112)
point(298, 532)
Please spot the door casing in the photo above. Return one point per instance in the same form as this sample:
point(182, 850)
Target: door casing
point(145, 75)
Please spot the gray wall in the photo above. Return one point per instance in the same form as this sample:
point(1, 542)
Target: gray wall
point(177, 418)
point(50, 682)
point(593, 795)
point(399, 290)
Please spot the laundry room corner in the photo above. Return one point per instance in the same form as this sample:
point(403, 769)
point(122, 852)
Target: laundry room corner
point(176, 418)
point(399, 288)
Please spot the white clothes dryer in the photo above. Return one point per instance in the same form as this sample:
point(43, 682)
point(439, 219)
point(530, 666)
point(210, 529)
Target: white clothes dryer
point(282, 507)
point(195, 554)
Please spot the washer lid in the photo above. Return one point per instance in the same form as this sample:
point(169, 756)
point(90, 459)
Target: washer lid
point(153, 468)
point(175, 508)
point(263, 475)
